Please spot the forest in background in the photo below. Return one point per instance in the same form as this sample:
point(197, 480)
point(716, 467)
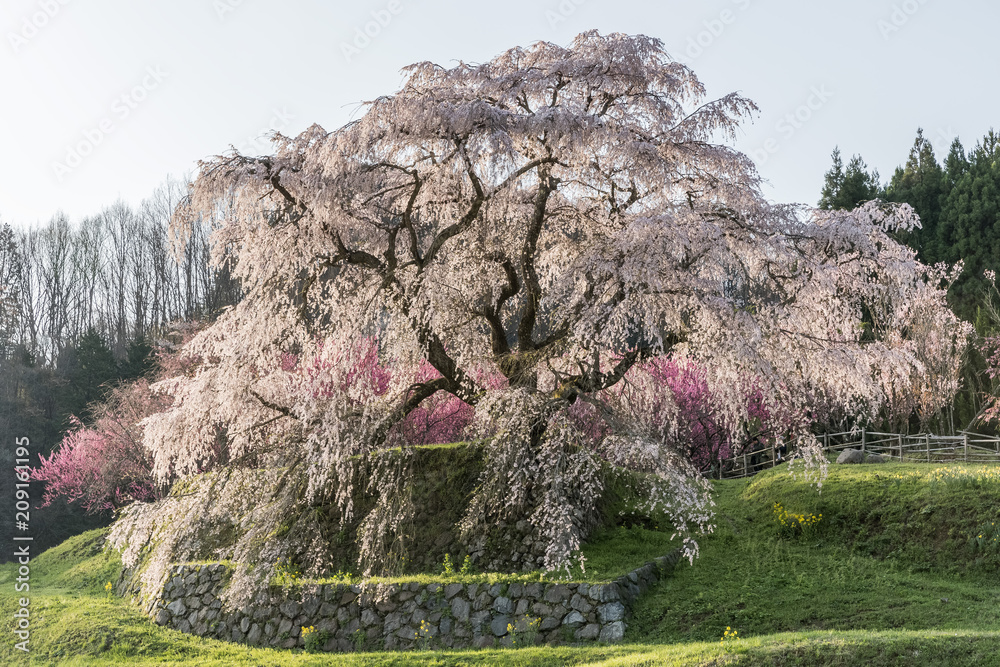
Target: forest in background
point(81, 308)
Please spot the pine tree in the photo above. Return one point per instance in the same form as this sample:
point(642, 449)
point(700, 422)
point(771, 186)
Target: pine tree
point(970, 213)
point(845, 189)
point(833, 182)
point(138, 361)
point(921, 185)
point(955, 165)
point(86, 369)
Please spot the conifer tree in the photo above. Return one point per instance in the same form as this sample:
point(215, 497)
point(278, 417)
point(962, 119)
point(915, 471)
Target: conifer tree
point(920, 183)
point(845, 189)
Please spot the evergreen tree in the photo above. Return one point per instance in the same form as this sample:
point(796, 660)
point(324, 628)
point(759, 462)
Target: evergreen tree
point(85, 368)
point(833, 181)
point(138, 360)
point(845, 189)
point(969, 228)
point(955, 165)
point(920, 184)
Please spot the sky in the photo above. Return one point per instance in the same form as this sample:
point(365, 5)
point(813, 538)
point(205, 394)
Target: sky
point(101, 100)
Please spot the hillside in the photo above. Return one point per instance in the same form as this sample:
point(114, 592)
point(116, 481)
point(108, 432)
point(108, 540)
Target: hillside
point(893, 574)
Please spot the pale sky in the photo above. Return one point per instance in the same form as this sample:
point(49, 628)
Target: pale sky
point(102, 99)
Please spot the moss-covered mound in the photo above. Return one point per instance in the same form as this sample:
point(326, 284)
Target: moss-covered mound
point(215, 517)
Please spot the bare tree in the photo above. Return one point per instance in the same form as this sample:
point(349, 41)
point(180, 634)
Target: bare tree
point(10, 290)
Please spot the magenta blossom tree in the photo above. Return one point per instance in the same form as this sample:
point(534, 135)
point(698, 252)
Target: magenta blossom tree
point(105, 466)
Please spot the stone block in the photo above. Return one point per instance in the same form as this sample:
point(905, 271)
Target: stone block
point(498, 626)
point(503, 605)
point(557, 593)
point(392, 622)
point(478, 620)
point(311, 605)
point(610, 612)
point(482, 601)
point(541, 609)
point(369, 618)
point(387, 605)
point(549, 623)
point(612, 632)
point(580, 604)
point(460, 609)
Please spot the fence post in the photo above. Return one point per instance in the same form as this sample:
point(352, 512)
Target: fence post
point(746, 470)
point(899, 436)
point(965, 444)
point(927, 444)
point(863, 439)
point(774, 461)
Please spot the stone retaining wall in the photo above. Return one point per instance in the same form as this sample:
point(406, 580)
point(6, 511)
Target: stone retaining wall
point(406, 615)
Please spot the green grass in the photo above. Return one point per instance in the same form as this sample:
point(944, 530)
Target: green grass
point(867, 587)
point(751, 579)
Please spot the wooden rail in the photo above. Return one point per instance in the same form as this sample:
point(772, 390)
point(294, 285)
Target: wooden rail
point(913, 448)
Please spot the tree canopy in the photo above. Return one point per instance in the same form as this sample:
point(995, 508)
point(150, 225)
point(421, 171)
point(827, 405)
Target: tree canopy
point(535, 228)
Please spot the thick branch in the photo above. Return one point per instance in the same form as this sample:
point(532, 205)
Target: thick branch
point(470, 216)
point(526, 327)
point(273, 406)
point(492, 314)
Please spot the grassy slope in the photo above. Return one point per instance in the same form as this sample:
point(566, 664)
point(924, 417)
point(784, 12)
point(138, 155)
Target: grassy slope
point(821, 599)
point(752, 579)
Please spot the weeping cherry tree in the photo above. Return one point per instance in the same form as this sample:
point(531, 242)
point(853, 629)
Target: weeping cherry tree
point(536, 229)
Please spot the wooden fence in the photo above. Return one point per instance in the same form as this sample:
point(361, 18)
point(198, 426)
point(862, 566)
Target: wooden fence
point(913, 448)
